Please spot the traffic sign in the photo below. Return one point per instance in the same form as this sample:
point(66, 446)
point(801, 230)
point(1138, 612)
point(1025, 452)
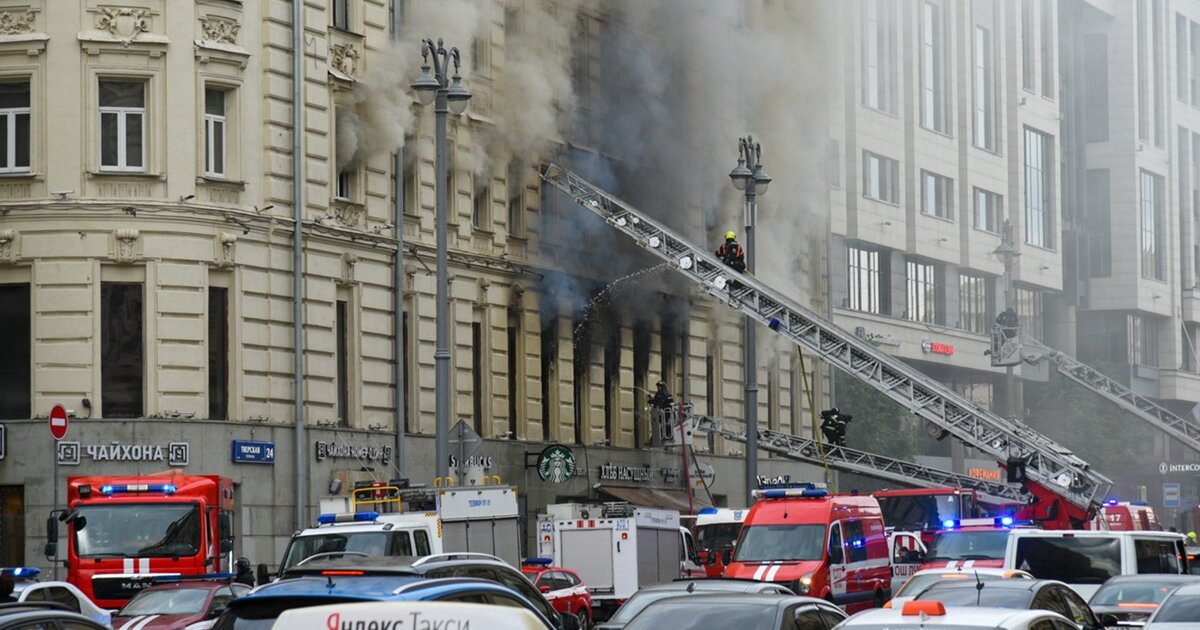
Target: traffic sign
point(1171, 495)
point(466, 439)
point(58, 422)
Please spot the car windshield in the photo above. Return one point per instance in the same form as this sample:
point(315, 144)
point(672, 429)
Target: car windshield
point(717, 535)
point(174, 601)
point(918, 583)
point(1136, 592)
point(640, 601)
point(1184, 608)
point(373, 544)
point(1076, 560)
point(262, 613)
point(780, 542)
point(686, 615)
point(965, 545)
point(989, 597)
point(920, 512)
point(138, 530)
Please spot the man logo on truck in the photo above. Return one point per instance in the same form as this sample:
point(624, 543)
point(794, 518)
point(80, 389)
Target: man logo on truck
point(556, 464)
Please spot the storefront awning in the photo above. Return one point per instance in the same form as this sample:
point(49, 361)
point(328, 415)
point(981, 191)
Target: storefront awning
point(657, 498)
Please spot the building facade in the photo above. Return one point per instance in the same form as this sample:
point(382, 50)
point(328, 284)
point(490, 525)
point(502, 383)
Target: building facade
point(147, 226)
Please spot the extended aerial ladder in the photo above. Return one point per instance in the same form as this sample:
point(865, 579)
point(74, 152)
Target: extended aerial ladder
point(837, 457)
point(1066, 490)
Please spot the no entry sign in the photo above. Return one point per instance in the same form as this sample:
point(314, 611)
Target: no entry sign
point(58, 422)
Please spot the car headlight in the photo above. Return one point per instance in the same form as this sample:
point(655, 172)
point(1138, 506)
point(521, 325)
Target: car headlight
point(803, 585)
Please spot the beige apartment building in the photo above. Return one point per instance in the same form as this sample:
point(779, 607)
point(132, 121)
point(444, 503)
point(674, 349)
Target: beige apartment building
point(147, 204)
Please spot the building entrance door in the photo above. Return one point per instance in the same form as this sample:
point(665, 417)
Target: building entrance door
point(12, 526)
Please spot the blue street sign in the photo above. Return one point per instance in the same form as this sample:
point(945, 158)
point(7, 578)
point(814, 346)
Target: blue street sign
point(1171, 495)
point(251, 452)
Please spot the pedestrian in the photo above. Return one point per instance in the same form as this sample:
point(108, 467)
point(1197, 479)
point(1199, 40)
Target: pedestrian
point(731, 253)
point(244, 574)
point(6, 589)
point(1009, 322)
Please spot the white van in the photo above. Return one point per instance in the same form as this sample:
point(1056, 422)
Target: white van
point(1085, 559)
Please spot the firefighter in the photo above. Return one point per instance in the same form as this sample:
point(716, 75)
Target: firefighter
point(732, 254)
point(833, 426)
point(662, 399)
point(1008, 322)
point(244, 575)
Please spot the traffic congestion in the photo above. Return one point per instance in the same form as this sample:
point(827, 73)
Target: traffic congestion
point(799, 558)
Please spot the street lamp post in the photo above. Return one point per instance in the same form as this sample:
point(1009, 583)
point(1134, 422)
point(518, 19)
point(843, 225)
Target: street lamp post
point(448, 96)
point(753, 182)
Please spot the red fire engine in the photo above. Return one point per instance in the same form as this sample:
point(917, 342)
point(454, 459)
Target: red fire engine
point(123, 531)
point(925, 510)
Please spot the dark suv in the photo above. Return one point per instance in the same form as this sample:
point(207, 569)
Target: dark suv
point(446, 565)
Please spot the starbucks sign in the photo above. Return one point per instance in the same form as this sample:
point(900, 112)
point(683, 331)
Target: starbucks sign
point(556, 464)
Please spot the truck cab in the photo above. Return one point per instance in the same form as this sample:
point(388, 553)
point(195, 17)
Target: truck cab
point(829, 546)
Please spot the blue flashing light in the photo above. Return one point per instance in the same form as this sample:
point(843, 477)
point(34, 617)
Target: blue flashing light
point(326, 519)
point(354, 517)
point(168, 488)
point(813, 493)
point(773, 324)
point(545, 562)
point(949, 524)
point(774, 494)
point(857, 543)
point(708, 511)
point(1006, 521)
point(22, 573)
point(106, 489)
point(1110, 502)
point(125, 488)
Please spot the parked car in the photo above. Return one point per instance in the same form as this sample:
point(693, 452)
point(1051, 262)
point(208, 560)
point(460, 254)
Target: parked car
point(562, 588)
point(923, 579)
point(1179, 611)
point(1127, 599)
point(260, 609)
point(44, 615)
point(683, 588)
point(933, 614)
point(27, 588)
point(738, 610)
point(1015, 594)
point(421, 614)
point(475, 565)
point(178, 605)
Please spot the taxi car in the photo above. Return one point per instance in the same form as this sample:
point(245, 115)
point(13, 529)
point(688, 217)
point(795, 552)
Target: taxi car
point(562, 588)
point(1179, 611)
point(925, 578)
point(931, 614)
point(1131, 599)
point(27, 588)
point(409, 615)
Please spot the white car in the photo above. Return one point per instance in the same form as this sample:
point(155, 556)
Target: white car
point(28, 589)
point(931, 615)
point(925, 578)
point(1179, 611)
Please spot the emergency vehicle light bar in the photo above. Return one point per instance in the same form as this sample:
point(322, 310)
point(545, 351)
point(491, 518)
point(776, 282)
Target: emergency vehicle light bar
point(789, 493)
point(538, 561)
point(21, 572)
point(347, 517)
point(708, 510)
point(999, 521)
point(127, 488)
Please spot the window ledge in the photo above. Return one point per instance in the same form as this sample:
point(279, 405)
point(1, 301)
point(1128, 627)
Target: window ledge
point(883, 201)
point(1050, 250)
point(993, 152)
point(986, 231)
point(217, 181)
point(483, 230)
point(132, 174)
point(881, 112)
point(934, 216)
point(945, 134)
point(29, 175)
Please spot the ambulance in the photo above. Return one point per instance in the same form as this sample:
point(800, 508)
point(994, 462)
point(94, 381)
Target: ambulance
point(829, 546)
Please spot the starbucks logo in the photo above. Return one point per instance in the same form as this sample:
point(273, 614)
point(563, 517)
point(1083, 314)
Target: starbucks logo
point(556, 464)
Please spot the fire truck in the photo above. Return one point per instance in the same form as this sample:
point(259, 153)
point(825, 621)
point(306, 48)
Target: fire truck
point(124, 531)
point(925, 510)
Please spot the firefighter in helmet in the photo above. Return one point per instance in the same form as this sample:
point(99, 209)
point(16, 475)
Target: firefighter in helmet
point(731, 253)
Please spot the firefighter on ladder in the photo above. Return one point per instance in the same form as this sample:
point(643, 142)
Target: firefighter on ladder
point(833, 426)
point(660, 404)
point(731, 253)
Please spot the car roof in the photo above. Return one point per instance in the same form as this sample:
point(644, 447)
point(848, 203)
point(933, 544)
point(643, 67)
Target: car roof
point(211, 585)
point(955, 615)
point(400, 565)
point(23, 611)
point(761, 599)
point(1151, 578)
point(990, 571)
point(370, 588)
point(1014, 585)
point(1188, 589)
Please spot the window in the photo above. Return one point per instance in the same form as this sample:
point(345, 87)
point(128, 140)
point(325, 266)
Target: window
point(1149, 63)
point(1098, 222)
point(1090, 560)
point(1182, 83)
point(341, 14)
point(933, 90)
point(122, 125)
point(1156, 556)
point(937, 195)
point(516, 200)
point(1194, 56)
point(218, 353)
point(422, 542)
point(1143, 72)
point(408, 370)
point(989, 207)
point(14, 127)
point(922, 292)
point(214, 132)
point(973, 303)
point(856, 541)
point(1143, 340)
point(1029, 311)
point(612, 386)
point(984, 121)
point(15, 383)
point(514, 373)
point(121, 349)
point(879, 55)
point(881, 178)
point(481, 212)
point(1027, 36)
point(477, 375)
point(1152, 225)
point(343, 363)
point(549, 357)
point(1039, 152)
point(864, 280)
point(343, 185)
point(1047, 33)
point(1095, 87)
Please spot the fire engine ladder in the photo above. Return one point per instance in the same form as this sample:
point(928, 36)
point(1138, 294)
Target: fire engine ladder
point(855, 461)
point(1047, 463)
point(1182, 429)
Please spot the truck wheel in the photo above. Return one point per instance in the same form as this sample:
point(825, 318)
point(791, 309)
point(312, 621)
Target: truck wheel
point(584, 622)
